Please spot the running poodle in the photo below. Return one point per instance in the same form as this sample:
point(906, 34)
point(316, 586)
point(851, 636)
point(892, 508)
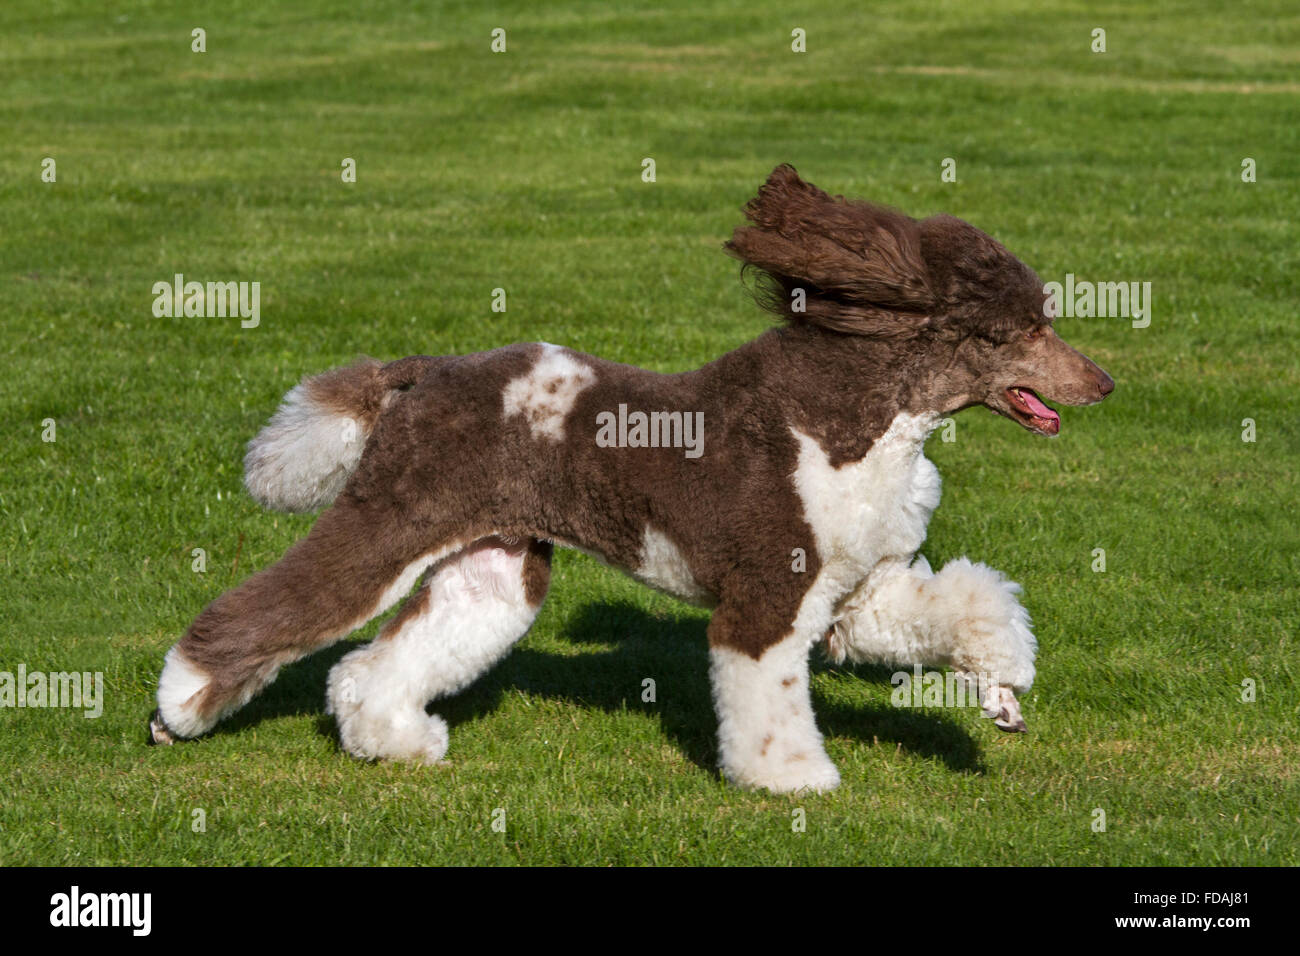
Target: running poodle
point(783, 485)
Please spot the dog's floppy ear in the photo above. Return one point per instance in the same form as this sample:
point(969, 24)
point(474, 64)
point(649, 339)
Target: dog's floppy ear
point(859, 265)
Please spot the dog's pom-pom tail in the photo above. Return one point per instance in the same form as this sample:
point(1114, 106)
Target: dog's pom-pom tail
point(304, 456)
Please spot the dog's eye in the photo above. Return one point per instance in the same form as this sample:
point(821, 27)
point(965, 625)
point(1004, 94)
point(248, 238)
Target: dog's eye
point(1036, 333)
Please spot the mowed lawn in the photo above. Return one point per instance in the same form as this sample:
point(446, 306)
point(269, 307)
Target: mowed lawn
point(522, 171)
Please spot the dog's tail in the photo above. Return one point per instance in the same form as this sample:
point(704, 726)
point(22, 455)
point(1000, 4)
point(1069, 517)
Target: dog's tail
point(304, 456)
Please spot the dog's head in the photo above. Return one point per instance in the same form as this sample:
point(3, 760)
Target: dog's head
point(972, 321)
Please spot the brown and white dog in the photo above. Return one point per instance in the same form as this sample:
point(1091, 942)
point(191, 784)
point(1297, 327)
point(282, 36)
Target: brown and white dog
point(796, 514)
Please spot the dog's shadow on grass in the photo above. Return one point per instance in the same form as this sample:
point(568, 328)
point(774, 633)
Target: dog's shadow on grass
point(670, 651)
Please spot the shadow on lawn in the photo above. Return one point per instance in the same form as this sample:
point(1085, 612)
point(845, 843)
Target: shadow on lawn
point(672, 651)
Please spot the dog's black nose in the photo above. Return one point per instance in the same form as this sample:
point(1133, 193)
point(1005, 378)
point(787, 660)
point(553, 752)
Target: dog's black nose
point(1105, 384)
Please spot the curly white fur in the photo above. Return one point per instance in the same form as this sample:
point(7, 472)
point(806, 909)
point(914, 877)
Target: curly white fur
point(178, 685)
point(967, 617)
point(767, 735)
point(476, 610)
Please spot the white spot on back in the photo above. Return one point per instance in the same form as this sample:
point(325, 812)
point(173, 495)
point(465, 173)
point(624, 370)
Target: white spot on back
point(546, 393)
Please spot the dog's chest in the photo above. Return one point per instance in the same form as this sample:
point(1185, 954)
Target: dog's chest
point(873, 508)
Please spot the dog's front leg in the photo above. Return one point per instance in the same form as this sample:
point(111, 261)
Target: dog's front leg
point(966, 616)
point(758, 663)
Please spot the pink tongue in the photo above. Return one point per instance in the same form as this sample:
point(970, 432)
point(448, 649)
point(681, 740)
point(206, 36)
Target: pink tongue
point(1037, 407)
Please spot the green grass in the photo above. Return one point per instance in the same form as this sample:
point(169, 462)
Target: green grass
point(522, 171)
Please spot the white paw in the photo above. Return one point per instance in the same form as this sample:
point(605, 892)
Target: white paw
point(415, 737)
point(823, 776)
point(180, 687)
point(374, 728)
point(808, 770)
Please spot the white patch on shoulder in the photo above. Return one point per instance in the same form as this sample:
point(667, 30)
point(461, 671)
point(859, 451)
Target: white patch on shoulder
point(858, 513)
point(864, 511)
point(872, 508)
point(546, 393)
point(662, 566)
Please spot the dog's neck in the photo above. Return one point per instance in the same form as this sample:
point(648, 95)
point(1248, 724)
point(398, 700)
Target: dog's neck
point(842, 390)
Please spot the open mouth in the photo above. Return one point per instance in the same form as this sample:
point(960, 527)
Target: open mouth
point(1030, 411)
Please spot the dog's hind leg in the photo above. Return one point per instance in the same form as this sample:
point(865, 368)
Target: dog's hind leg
point(472, 608)
point(354, 565)
point(966, 616)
